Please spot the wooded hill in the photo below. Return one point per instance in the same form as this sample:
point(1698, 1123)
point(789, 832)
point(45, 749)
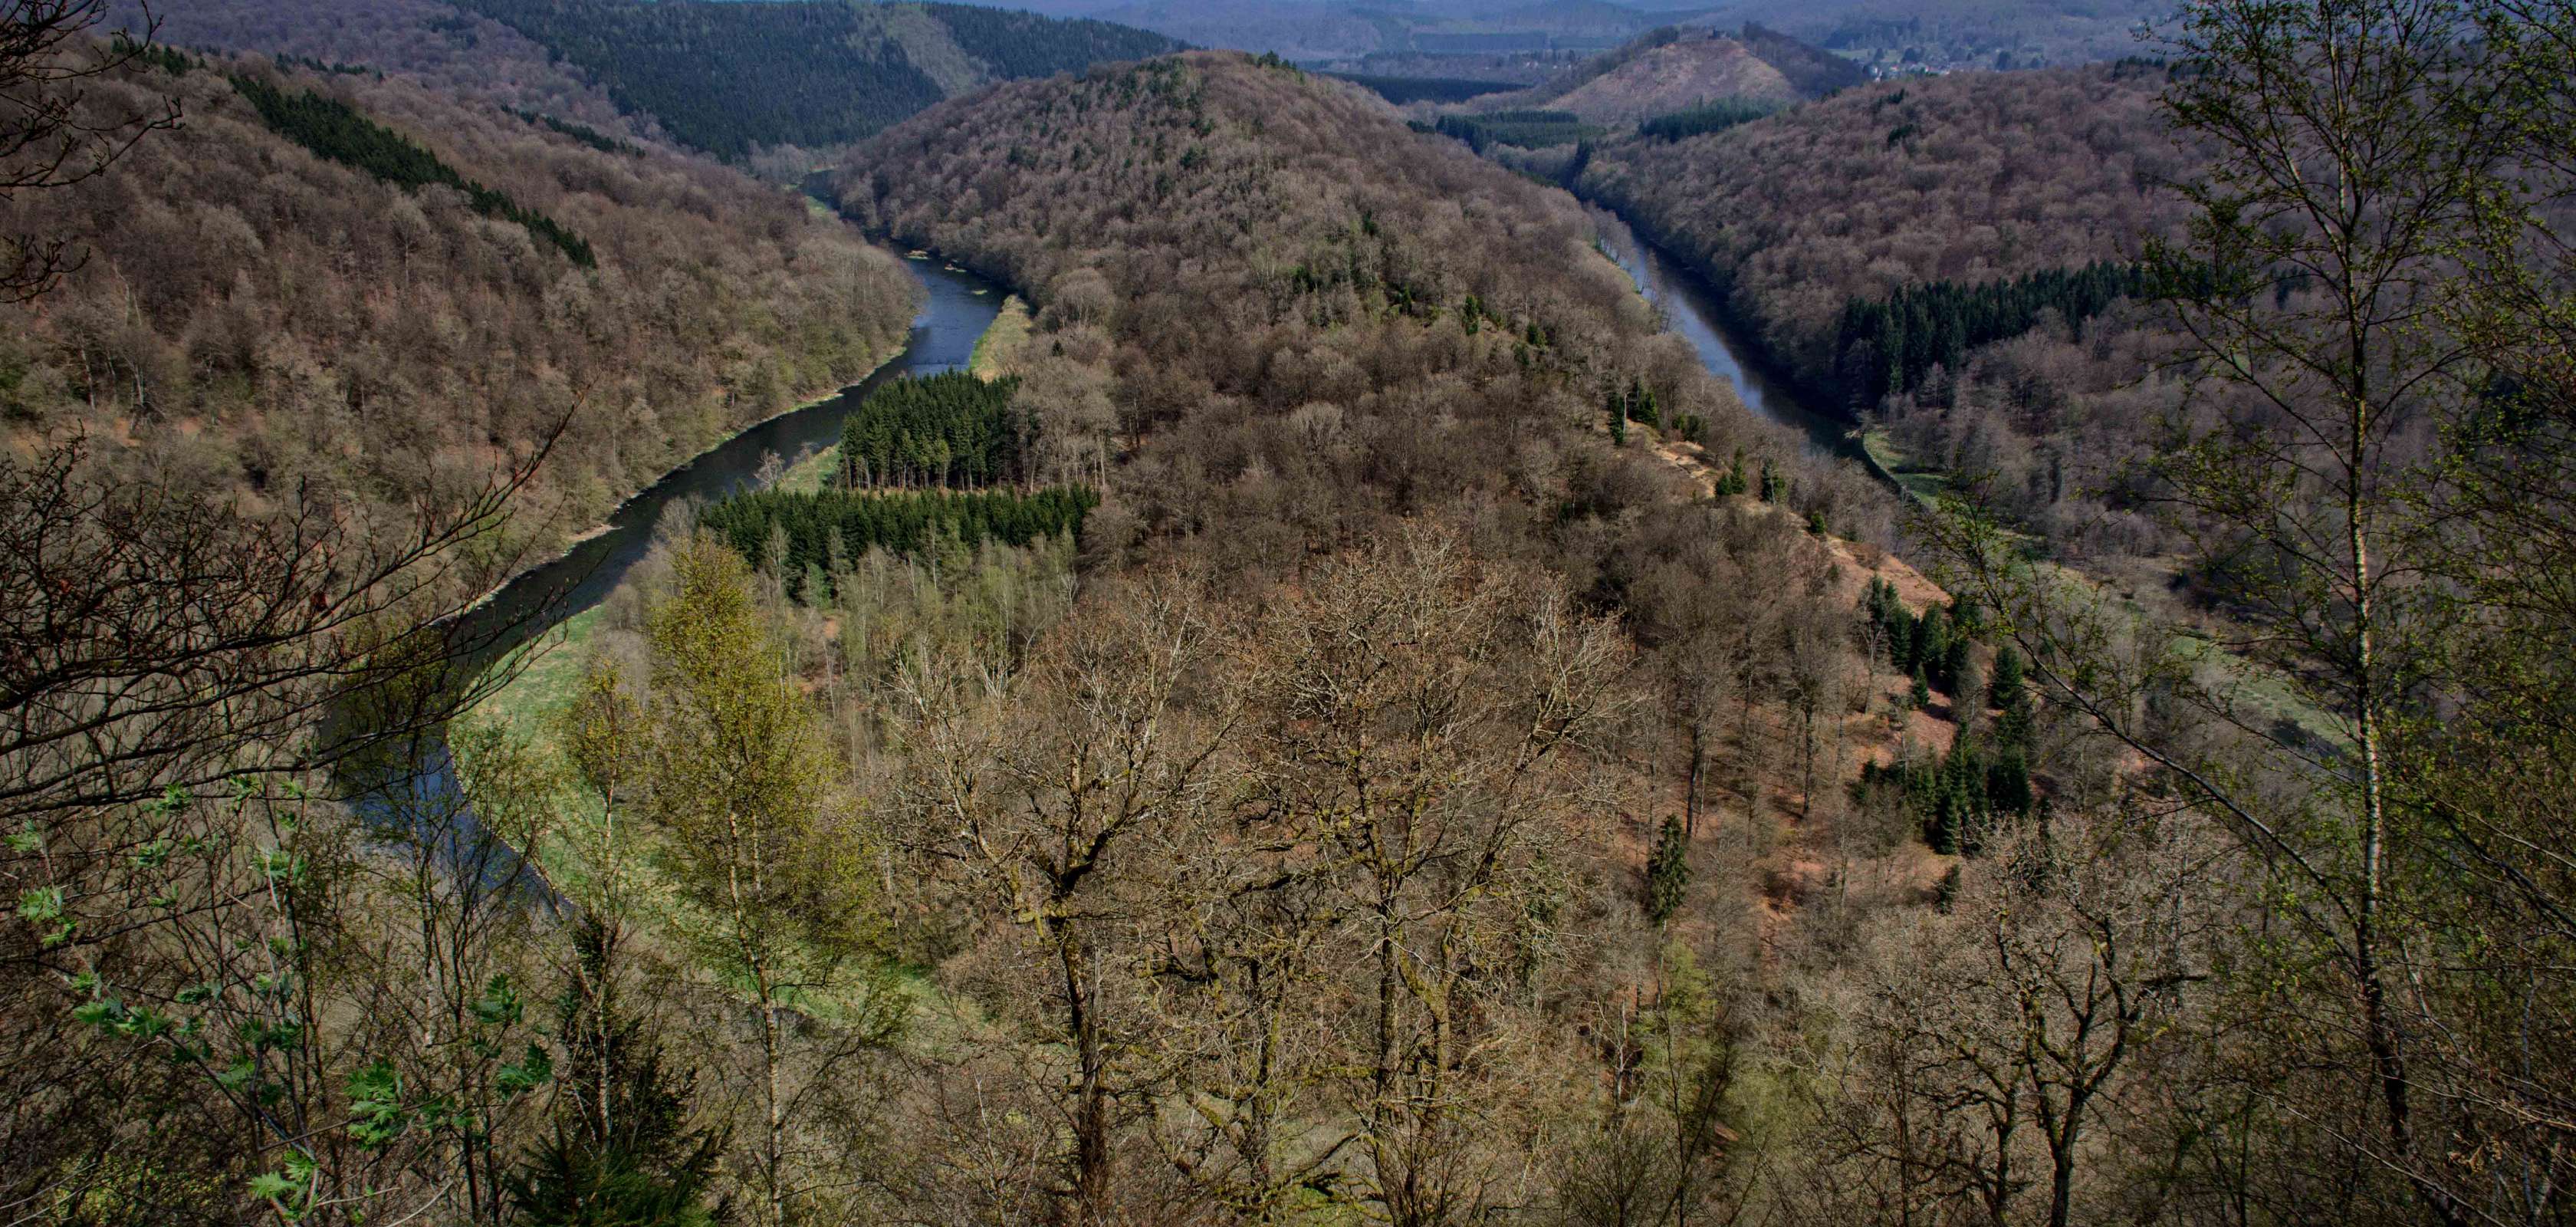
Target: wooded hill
point(726, 78)
point(364, 285)
point(1954, 256)
point(729, 77)
point(1953, 35)
point(435, 43)
point(1676, 68)
point(1239, 300)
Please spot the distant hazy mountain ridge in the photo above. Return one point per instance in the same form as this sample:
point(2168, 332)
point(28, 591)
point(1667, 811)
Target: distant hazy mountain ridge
point(1674, 69)
point(727, 78)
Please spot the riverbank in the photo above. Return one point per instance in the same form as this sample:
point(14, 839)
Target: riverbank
point(991, 360)
point(561, 600)
point(956, 326)
point(608, 523)
point(993, 356)
point(1696, 311)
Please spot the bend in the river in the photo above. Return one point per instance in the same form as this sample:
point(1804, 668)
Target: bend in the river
point(956, 309)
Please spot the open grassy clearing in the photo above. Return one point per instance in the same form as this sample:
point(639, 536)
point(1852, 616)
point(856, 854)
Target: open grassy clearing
point(1922, 484)
point(997, 351)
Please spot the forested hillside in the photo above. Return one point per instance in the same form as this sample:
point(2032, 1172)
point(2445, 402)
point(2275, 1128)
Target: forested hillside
point(1329, 715)
point(726, 78)
point(1665, 77)
point(1954, 35)
point(1955, 256)
point(729, 77)
point(1892, 34)
point(1676, 69)
point(1436, 322)
point(1962, 179)
point(336, 280)
point(440, 45)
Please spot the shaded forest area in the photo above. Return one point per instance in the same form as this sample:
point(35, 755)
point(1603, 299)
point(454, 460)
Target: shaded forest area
point(1703, 120)
point(727, 78)
point(1404, 91)
point(1526, 129)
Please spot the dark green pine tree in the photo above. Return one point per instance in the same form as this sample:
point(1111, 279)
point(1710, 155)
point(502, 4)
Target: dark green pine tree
point(1953, 665)
point(622, 1153)
point(1920, 693)
point(1618, 411)
point(1641, 406)
point(2008, 677)
point(1732, 483)
point(2008, 783)
point(1942, 830)
point(2014, 729)
point(1667, 873)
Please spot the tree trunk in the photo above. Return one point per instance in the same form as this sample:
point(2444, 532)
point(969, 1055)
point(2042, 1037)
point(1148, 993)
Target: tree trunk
point(774, 1156)
point(1091, 1183)
point(1698, 767)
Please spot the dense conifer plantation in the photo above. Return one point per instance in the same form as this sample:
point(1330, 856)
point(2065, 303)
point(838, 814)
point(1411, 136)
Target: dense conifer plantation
point(1889, 345)
point(1703, 120)
point(1527, 129)
point(826, 531)
point(950, 430)
point(336, 130)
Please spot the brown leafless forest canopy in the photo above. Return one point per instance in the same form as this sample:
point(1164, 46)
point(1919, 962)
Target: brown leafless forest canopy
point(1306, 315)
point(1966, 180)
point(437, 43)
point(254, 317)
point(1337, 717)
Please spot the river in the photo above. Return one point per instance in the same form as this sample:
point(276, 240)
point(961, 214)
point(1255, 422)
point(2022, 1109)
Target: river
point(1690, 308)
point(956, 309)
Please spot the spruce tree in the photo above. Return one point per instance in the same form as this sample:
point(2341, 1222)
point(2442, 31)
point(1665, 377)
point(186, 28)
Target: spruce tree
point(622, 1153)
point(2008, 677)
point(1667, 872)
